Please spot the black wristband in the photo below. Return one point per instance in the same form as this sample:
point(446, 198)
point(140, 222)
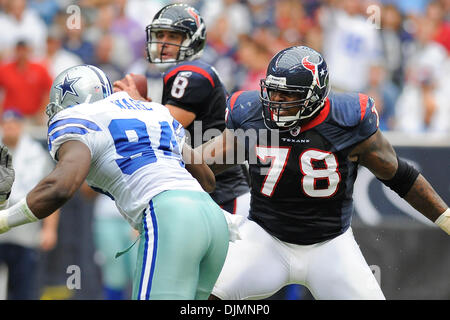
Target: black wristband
point(404, 178)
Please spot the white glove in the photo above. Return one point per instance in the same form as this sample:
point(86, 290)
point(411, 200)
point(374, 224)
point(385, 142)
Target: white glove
point(233, 221)
point(7, 174)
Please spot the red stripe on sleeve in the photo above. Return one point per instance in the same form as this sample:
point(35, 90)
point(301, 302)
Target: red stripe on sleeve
point(363, 104)
point(189, 68)
point(234, 97)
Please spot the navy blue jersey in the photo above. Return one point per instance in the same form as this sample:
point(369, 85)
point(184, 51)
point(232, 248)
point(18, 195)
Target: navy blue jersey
point(196, 87)
point(302, 180)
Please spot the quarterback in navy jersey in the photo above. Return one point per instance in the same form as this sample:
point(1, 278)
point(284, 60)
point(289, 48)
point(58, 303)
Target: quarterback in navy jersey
point(304, 145)
point(193, 91)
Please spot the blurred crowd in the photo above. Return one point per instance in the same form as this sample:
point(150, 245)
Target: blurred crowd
point(395, 51)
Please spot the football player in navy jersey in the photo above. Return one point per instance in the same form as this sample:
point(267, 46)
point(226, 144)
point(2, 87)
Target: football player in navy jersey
point(303, 163)
point(193, 91)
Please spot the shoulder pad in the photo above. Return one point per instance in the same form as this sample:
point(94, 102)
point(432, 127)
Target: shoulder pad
point(349, 109)
point(243, 99)
point(241, 107)
point(191, 70)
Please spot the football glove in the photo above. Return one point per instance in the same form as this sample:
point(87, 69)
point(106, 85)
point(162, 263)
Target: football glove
point(233, 222)
point(7, 174)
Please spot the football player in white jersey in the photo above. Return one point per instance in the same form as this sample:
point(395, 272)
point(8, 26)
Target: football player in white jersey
point(132, 151)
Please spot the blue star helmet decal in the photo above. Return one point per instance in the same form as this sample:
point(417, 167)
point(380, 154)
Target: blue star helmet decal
point(67, 86)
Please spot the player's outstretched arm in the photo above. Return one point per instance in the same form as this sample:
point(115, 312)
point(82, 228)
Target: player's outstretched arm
point(7, 176)
point(221, 152)
point(53, 191)
point(198, 169)
point(74, 160)
point(377, 154)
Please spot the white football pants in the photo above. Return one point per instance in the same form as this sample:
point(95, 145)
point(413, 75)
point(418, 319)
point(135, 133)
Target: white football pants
point(259, 265)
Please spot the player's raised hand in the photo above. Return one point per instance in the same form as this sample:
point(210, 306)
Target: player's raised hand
point(135, 85)
point(7, 173)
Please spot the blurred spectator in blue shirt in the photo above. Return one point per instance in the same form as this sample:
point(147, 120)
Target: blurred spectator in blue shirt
point(47, 9)
point(74, 40)
point(262, 12)
point(411, 7)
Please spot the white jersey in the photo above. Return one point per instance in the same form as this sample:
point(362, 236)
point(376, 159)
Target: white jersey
point(135, 148)
point(352, 45)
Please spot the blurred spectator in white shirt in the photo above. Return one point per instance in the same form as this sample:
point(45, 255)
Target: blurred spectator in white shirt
point(20, 249)
point(57, 58)
point(20, 22)
point(351, 45)
point(143, 11)
point(424, 104)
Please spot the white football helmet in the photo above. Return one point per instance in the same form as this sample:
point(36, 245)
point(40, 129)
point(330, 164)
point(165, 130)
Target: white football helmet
point(76, 85)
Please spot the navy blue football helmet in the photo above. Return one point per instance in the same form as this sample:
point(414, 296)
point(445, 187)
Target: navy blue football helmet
point(296, 70)
point(180, 18)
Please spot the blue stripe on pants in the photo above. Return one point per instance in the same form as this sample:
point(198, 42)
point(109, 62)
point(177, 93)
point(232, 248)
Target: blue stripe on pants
point(153, 262)
point(144, 218)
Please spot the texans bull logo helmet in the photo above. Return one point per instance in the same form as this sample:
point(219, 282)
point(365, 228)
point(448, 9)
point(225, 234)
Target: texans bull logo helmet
point(300, 70)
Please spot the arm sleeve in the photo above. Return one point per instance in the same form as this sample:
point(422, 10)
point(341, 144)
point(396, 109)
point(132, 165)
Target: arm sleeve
point(369, 117)
point(66, 126)
point(354, 119)
point(232, 115)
